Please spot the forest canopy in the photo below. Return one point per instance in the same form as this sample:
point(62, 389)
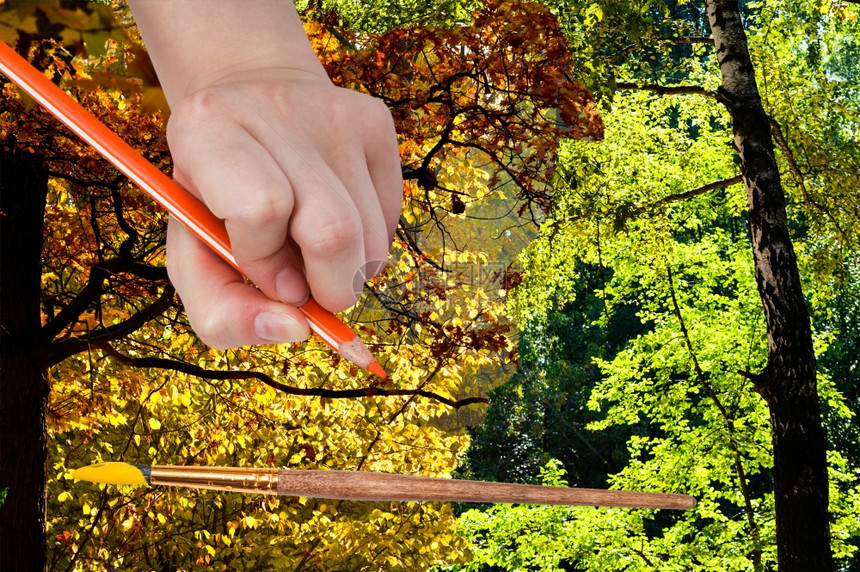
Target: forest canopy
point(571, 298)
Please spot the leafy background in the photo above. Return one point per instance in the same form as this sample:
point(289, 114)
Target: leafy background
point(573, 246)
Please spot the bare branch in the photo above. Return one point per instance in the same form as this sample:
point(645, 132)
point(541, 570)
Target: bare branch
point(776, 131)
point(722, 184)
point(369, 391)
point(673, 40)
point(693, 39)
point(666, 89)
point(94, 288)
point(91, 292)
point(66, 348)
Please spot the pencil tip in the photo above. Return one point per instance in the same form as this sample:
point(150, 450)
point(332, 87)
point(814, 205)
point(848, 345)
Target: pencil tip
point(376, 370)
point(356, 352)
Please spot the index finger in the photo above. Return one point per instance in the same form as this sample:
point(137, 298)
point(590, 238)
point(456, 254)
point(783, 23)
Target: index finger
point(243, 185)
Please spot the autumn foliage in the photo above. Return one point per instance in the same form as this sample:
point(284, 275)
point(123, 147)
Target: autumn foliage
point(479, 109)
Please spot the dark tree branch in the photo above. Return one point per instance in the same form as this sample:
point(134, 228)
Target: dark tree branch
point(722, 184)
point(94, 288)
point(91, 292)
point(406, 234)
point(673, 40)
point(395, 307)
point(753, 377)
point(66, 348)
point(370, 391)
point(666, 89)
point(690, 40)
point(84, 184)
point(776, 130)
point(130, 231)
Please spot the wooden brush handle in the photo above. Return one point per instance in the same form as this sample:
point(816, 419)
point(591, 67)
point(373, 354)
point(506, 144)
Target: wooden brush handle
point(367, 486)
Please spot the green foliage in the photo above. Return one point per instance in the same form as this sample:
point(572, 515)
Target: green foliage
point(696, 426)
point(378, 16)
point(523, 537)
point(645, 211)
point(618, 41)
point(520, 538)
point(541, 412)
point(839, 324)
point(811, 95)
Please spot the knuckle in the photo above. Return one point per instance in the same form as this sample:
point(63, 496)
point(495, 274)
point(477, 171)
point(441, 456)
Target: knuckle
point(193, 111)
point(200, 105)
point(334, 235)
point(379, 115)
point(204, 318)
point(220, 322)
point(263, 211)
point(206, 325)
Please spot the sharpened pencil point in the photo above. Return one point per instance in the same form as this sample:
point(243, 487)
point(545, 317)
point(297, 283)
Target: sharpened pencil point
point(356, 352)
point(376, 370)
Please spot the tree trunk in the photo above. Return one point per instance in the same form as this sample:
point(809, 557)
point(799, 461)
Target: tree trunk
point(788, 382)
point(23, 370)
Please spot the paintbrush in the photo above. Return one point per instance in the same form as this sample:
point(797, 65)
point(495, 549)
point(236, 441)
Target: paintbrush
point(177, 201)
point(369, 486)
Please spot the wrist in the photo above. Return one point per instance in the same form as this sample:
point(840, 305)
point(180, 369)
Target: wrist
point(197, 43)
point(292, 70)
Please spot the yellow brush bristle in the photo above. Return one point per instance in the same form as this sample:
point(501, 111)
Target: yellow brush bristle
point(111, 473)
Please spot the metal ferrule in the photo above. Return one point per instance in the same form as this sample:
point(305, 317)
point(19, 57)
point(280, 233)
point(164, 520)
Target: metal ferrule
point(235, 479)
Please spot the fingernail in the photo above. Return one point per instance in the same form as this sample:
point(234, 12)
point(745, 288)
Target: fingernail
point(279, 327)
point(291, 287)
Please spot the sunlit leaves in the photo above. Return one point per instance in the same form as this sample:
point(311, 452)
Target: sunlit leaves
point(382, 15)
point(630, 212)
point(480, 109)
point(73, 24)
point(483, 93)
point(219, 423)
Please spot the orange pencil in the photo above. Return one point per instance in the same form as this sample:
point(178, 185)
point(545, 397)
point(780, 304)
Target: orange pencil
point(178, 202)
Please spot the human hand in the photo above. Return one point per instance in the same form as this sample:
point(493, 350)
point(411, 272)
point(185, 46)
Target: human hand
point(307, 178)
